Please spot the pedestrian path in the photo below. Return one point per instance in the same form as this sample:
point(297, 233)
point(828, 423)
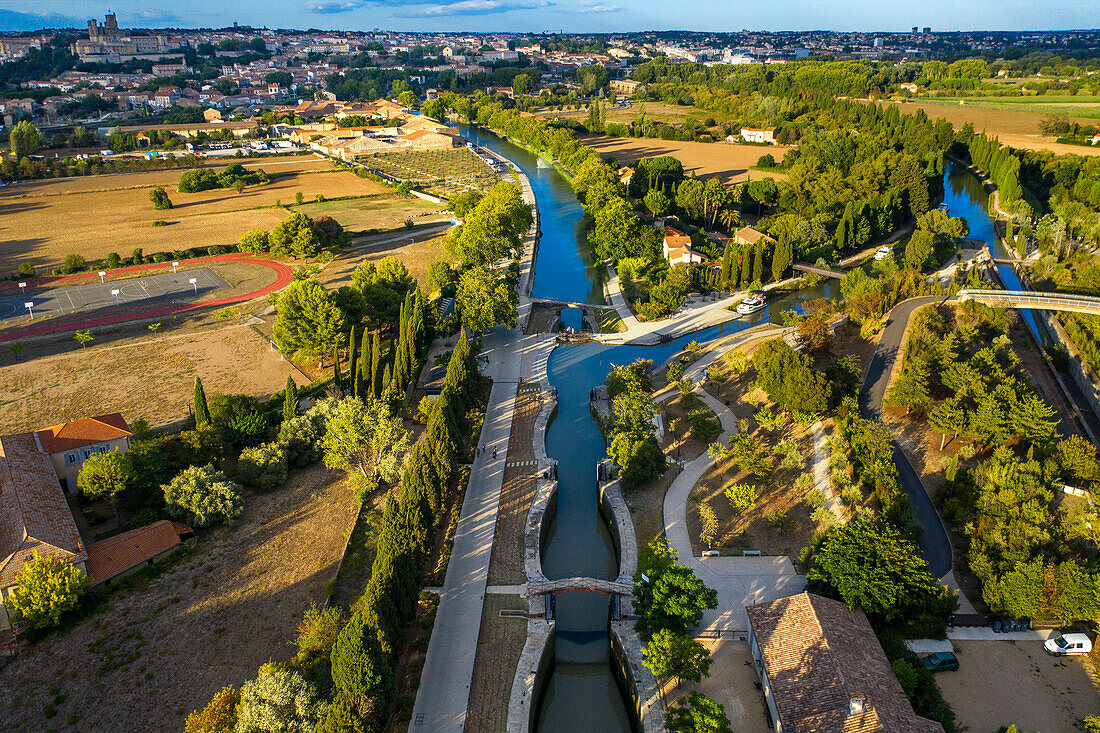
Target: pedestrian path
point(822, 479)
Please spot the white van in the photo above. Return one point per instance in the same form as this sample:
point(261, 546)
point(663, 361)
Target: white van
point(1068, 644)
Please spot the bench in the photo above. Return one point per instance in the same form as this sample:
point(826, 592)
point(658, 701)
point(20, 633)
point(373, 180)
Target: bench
point(710, 553)
point(750, 553)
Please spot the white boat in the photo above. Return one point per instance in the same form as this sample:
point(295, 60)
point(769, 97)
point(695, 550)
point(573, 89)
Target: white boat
point(753, 303)
point(944, 208)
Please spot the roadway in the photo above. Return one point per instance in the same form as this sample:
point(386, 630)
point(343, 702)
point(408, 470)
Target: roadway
point(935, 545)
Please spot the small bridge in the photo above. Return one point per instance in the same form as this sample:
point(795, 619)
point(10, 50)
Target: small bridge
point(580, 585)
point(817, 270)
point(561, 303)
point(1033, 301)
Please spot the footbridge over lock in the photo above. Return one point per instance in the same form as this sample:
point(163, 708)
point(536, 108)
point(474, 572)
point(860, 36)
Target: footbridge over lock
point(1033, 300)
point(818, 270)
point(616, 590)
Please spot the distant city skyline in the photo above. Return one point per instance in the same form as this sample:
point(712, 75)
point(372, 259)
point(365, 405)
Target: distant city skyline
point(570, 16)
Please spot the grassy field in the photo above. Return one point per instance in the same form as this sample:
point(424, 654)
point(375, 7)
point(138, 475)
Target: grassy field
point(416, 256)
point(657, 111)
point(147, 377)
point(1016, 125)
point(728, 161)
point(372, 212)
point(443, 172)
point(211, 620)
point(44, 221)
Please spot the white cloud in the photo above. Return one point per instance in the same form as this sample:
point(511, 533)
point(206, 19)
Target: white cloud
point(473, 7)
point(600, 8)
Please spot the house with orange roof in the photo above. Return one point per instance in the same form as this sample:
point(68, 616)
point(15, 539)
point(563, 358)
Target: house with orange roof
point(35, 519)
point(748, 235)
point(677, 248)
point(69, 444)
point(118, 556)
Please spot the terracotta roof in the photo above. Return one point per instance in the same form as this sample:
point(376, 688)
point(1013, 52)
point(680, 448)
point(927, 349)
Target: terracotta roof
point(748, 234)
point(82, 432)
point(817, 656)
point(34, 516)
point(115, 555)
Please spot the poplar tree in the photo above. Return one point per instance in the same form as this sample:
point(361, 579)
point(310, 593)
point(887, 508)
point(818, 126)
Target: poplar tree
point(202, 411)
point(290, 399)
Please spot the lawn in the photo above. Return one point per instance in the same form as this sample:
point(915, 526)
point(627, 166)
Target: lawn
point(159, 652)
point(145, 376)
point(730, 162)
point(42, 222)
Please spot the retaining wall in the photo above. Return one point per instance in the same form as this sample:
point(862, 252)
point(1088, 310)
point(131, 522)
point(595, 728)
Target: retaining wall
point(534, 664)
point(637, 680)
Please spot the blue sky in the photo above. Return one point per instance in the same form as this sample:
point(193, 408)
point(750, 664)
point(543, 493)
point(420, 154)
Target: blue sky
point(568, 15)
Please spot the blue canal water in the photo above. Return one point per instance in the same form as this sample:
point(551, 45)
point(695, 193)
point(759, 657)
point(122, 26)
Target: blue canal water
point(582, 694)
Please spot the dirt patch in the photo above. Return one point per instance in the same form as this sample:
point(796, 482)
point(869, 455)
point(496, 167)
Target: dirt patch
point(42, 225)
point(498, 649)
point(149, 377)
point(210, 621)
point(678, 441)
point(732, 684)
point(729, 162)
point(506, 566)
point(1005, 682)
point(375, 212)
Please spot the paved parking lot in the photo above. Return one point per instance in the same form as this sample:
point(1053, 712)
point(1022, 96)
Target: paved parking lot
point(162, 289)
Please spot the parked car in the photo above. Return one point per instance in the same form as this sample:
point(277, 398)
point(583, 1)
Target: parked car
point(941, 662)
point(883, 253)
point(1064, 644)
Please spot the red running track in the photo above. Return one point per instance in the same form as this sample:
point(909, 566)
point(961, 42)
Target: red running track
point(283, 276)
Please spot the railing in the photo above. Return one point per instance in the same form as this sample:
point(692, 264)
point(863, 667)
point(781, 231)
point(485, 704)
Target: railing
point(1033, 300)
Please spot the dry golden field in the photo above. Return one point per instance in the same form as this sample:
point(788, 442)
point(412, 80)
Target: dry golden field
point(1016, 126)
point(730, 162)
point(44, 221)
point(417, 256)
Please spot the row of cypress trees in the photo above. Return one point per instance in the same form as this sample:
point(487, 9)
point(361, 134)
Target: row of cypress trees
point(366, 650)
point(376, 370)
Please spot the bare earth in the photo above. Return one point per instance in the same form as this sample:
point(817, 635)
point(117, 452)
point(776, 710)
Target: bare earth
point(1004, 683)
point(44, 221)
point(498, 649)
point(728, 161)
point(150, 377)
point(732, 684)
point(156, 654)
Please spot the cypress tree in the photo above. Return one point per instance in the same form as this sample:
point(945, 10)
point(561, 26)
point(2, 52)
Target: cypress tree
point(725, 272)
point(202, 411)
point(353, 365)
point(290, 399)
point(746, 268)
point(758, 265)
point(360, 668)
point(387, 377)
point(842, 235)
point(365, 344)
point(376, 366)
point(336, 366)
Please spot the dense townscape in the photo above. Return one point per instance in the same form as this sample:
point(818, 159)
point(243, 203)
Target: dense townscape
point(367, 381)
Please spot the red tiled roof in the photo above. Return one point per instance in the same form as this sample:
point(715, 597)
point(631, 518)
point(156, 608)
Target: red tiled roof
point(115, 555)
point(82, 432)
point(34, 516)
point(817, 656)
point(748, 234)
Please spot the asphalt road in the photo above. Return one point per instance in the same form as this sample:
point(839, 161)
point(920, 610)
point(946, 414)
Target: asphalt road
point(935, 546)
point(153, 289)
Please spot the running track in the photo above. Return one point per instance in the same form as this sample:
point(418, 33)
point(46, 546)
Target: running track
point(283, 276)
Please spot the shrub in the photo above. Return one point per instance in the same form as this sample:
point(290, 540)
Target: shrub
point(317, 632)
point(160, 199)
point(851, 495)
point(73, 263)
point(160, 223)
point(815, 498)
point(279, 700)
point(263, 467)
point(26, 269)
point(792, 457)
point(219, 715)
point(201, 496)
point(45, 589)
point(824, 517)
point(741, 496)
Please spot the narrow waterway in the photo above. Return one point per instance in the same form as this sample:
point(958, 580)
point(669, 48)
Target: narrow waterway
point(582, 693)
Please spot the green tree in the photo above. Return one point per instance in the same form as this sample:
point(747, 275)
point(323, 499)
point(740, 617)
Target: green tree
point(657, 202)
point(367, 438)
point(296, 236)
point(25, 139)
point(106, 476)
point(696, 713)
point(494, 228)
point(219, 715)
point(741, 496)
point(202, 410)
point(83, 338)
point(279, 700)
point(910, 390)
point(202, 496)
point(46, 588)
point(674, 599)
point(360, 669)
point(870, 566)
point(678, 656)
point(484, 300)
point(254, 240)
point(521, 85)
point(640, 459)
point(290, 399)
point(758, 264)
point(309, 319)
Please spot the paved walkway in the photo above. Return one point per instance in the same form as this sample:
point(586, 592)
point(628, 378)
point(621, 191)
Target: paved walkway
point(444, 694)
point(822, 478)
point(739, 581)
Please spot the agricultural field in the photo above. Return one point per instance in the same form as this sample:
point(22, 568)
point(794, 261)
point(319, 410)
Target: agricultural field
point(358, 215)
point(729, 162)
point(1016, 125)
point(152, 377)
point(43, 221)
point(210, 620)
point(442, 172)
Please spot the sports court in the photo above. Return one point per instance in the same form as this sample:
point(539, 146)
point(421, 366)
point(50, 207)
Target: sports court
point(153, 290)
